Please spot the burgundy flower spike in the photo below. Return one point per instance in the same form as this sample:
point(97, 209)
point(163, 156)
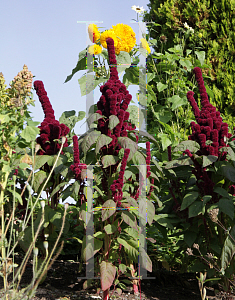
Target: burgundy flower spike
point(50, 129)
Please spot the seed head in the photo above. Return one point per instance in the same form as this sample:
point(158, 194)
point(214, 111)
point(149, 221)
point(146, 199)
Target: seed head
point(189, 251)
point(213, 214)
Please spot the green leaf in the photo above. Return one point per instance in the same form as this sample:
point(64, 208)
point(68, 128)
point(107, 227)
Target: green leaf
point(93, 117)
point(113, 121)
point(57, 188)
point(109, 160)
point(87, 252)
point(189, 199)
point(192, 146)
point(107, 274)
point(226, 170)
point(110, 228)
point(131, 76)
point(135, 115)
point(178, 102)
point(16, 195)
point(129, 219)
point(145, 260)
point(130, 248)
point(40, 161)
point(161, 87)
point(39, 178)
point(102, 140)
point(196, 209)
point(190, 237)
point(208, 160)
point(186, 63)
point(201, 56)
point(81, 65)
point(226, 206)
point(108, 209)
point(150, 212)
point(138, 159)
point(123, 61)
point(228, 250)
point(127, 143)
point(88, 83)
point(164, 140)
point(30, 133)
point(150, 77)
point(222, 192)
point(151, 93)
point(132, 232)
point(89, 140)
point(164, 116)
point(122, 268)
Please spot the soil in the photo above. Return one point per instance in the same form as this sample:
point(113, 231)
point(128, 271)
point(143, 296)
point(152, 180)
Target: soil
point(63, 283)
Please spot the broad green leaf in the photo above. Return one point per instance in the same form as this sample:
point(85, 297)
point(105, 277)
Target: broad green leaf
point(108, 209)
point(189, 199)
point(92, 118)
point(110, 228)
point(102, 140)
point(138, 159)
point(150, 77)
point(130, 248)
point(16, 195)
point(186, 63)
point(196, 209)
point(208, 160)
point(122, 268)
point(150, 212)
point(192, 146)
point(132, 232)
point(57, 188)
point(184, 161)
point(145, 260)
point(164, 116)
point(226, 206)
point(87, 252)
point(70, 119)
point(88, 83)
point(225, 169)
point(164, 140)
point(107, 274)
point(228, 250)
point(81, 65)
point(151, 93)
point(165, 222)
point(113, 121)
point(131, 76)
point(30, 133)
point(179, 102)
point(127, 143)
point(40, 161)
point(109, 160)
point(190, 237)
point(222, 192)
point(4, 118)
point(123, 61)
point(129, 219)
point(131, 201)
point(135, 115)
point(99, 234)
point(201, 56)
point(39, 178)
point(161, 87)
point(89, 140)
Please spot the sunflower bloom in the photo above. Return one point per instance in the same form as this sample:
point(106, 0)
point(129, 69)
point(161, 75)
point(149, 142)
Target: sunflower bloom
point(95, 49)
point(125, 37)
point(94, 33)
point(145, 45)
point(108, 34)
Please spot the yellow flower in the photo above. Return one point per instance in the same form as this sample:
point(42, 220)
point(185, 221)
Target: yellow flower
point(145, 45)
point(125, 37)
point(94, 33)
point(200, 35)
point(95, 49)
point(108, 34)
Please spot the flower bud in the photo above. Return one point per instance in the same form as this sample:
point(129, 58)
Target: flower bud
point(200, 35)
point(43, 203)
point(46, 235)
point(45, 244)
point(63, 139)
point(35, 251)
point(66, 205)
point(37, 147)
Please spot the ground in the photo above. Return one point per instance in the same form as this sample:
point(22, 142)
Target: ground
point(63, 283)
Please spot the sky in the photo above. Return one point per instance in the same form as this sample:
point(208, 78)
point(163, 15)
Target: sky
point(46, 36)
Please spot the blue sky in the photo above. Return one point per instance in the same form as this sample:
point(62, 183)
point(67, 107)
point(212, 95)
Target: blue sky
point(46, 37)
